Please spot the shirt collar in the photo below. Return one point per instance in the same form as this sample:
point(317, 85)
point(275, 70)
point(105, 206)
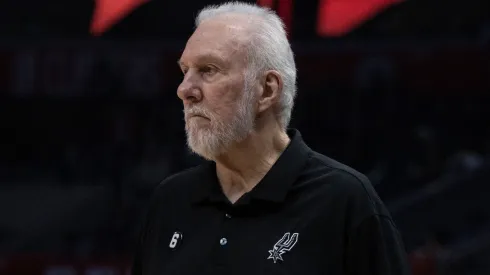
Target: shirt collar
point(275, 184)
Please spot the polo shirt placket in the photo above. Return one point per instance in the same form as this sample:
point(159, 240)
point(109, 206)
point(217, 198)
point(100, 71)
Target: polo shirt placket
point(219, 263)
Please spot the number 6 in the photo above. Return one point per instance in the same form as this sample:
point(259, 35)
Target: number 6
point(175, 239)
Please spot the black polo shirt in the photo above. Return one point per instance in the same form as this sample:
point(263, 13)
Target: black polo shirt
point(308, 215)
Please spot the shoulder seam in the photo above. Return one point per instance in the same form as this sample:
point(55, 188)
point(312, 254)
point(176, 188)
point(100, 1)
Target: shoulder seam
point(381, 216)
point(354, 176)
point(169, 178)
point(179, 173)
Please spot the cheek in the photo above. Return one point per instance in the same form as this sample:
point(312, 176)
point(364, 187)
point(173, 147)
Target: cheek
point(223, 99)
point(224, 112)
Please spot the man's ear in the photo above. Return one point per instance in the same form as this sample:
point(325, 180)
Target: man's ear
point(271, 88)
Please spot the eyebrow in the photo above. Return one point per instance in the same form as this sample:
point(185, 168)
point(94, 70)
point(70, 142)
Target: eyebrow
point(205, 58)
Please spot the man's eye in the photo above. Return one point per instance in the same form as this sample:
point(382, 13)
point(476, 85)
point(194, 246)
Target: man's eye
point(208, 70)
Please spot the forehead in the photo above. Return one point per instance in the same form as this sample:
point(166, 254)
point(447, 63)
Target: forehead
point(221, 38)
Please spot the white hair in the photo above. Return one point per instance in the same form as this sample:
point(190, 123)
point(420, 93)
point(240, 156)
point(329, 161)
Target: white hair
point(268, 49)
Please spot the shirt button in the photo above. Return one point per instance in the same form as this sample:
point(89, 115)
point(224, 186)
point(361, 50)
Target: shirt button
point(223, 241)
point(228, 216)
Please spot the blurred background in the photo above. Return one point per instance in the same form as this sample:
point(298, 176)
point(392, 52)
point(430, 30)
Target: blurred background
point(90, 124)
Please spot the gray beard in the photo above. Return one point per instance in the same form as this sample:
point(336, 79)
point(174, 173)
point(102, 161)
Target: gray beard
point(213, 141)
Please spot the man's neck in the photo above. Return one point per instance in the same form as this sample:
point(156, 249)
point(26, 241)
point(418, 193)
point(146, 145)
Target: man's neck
point(242, 167)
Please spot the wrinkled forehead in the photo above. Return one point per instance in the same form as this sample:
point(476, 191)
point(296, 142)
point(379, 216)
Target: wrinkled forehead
point(225, 37)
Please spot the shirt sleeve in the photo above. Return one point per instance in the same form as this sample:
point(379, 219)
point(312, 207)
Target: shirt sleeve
point(375, 247)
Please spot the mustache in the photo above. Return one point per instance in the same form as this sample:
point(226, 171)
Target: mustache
point(197, 111)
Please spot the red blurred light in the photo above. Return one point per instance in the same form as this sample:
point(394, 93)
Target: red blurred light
point(108, 12)
point(338, 17)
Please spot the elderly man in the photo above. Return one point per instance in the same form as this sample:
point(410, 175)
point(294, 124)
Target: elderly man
point(264, 202)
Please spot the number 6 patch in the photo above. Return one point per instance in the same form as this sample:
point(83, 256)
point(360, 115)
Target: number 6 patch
point(176, 240)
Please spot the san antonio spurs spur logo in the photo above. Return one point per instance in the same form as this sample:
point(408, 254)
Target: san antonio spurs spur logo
point(285, 244)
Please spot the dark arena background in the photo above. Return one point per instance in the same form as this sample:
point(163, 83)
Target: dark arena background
point(90, 121)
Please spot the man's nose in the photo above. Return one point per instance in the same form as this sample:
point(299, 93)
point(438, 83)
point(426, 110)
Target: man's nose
point(188, 91)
